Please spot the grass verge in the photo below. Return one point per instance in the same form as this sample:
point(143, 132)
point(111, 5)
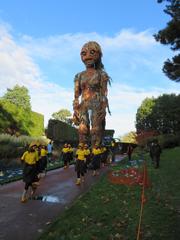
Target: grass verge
point(111, 212)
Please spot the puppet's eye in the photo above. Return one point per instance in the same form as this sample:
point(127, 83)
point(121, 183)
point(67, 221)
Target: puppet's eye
point(83, 53)
point(92, 52)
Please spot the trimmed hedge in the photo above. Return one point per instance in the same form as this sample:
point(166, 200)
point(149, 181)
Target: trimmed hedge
point(60, 131)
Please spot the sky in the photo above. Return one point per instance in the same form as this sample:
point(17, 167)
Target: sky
point(40, 44)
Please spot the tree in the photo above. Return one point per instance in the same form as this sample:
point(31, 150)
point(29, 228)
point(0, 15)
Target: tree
point(62, 115)
point(14, 119)
point(129, 137)
point(144, 136)
point(167, 113)
point(171, 35)
point(18, 96)
point(161, 115)
point(144, 117)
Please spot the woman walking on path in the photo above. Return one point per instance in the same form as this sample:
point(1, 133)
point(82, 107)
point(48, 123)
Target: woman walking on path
point(65, 155)
point(103, 156)
point(96, 160)
point(70, 154)
point(80, 163)
point(87, 156)
point(29, 160)
point(43, 158)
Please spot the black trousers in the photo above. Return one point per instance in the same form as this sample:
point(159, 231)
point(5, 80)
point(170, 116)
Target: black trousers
point(80, 166)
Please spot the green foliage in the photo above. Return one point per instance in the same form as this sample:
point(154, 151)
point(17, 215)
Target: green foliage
point(60, 131)
point(37, 127)
point(13, 146)
point(169, 140)
point(17, 120)
point(62, 115)
point(171, 35)
point(14, 119)
point(18, 96)
point(161, 114)
point(144, 116)
point(129, 138)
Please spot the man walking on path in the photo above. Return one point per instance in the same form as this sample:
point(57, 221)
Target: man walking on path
point(129, 151)
point(155, 152)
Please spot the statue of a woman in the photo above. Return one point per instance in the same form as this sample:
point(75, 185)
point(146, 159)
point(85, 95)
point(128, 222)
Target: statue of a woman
point(90, 95)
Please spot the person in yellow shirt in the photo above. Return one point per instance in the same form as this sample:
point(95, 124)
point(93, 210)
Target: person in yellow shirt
point(96, 159)
point(29, 160)
point(103, 156)
point(38, 163)
point(70, 154)
point(80, 161)
point(113, 151)
point(87, 156)
point(43, 158)
point(65, 155)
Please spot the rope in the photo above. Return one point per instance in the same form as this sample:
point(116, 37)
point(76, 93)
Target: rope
point(142, 200)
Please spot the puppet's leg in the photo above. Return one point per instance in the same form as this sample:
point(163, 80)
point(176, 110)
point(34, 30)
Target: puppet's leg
point(98, 125)
point(84, 127)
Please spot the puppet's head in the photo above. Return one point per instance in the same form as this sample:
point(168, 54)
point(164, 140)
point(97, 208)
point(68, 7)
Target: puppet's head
point(91, 55)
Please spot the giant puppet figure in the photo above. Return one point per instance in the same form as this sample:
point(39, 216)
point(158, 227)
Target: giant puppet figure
point(90, 95)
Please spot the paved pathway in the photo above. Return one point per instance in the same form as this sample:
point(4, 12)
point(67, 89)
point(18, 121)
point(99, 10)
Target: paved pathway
point(27, 221)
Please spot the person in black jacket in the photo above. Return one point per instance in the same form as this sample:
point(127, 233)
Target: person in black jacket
point(129, 151)
point(155, 152)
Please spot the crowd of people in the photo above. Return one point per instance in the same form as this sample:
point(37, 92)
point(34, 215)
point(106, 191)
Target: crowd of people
point(86, 158)
point(35, 160)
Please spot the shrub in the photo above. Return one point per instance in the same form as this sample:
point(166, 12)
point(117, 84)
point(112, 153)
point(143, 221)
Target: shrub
point(13, 147)
point(169, 140)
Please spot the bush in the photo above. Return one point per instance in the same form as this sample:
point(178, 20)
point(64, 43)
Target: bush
point(169, 140)
point(13, 147)
point(165, 141)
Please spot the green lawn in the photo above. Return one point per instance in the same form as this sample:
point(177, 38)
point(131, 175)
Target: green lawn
point(111, 212)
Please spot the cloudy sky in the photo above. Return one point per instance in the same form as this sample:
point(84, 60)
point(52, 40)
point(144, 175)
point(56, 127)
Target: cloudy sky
point(40, 43)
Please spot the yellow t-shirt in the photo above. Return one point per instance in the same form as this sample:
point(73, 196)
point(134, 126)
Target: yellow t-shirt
point(87, 152)
point(65, 150)
point(43, 152)
point(37, 154)
point(80, 154)
point(71, 150)
point(30, 157)
point(104, 149)
point(96, 151)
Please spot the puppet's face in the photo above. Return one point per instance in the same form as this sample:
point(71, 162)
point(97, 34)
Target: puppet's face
point(90, 55)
